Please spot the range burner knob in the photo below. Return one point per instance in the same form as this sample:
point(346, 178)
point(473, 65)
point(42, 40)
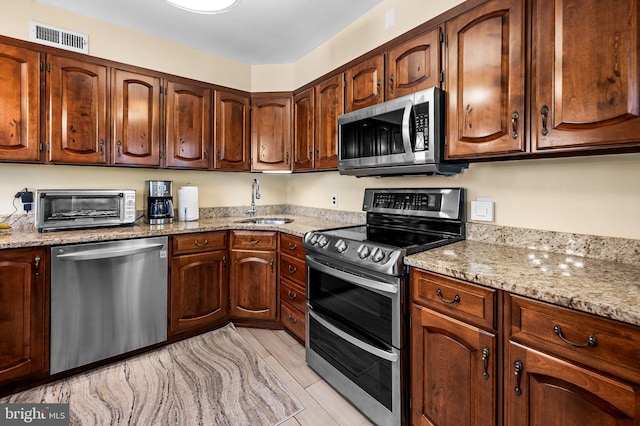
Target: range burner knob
point(323, 241)
point(341, 246)
point(363, 251)
point(378, 255)
point(313, 239)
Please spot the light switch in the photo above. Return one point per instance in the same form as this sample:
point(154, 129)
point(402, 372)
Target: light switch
point(482, 210)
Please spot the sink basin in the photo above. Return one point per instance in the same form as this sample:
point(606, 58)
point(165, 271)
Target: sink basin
point(266, 220)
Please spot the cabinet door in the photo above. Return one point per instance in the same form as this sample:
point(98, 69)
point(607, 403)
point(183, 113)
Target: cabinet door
point(77, 111)
point(199, 291)
point(232, 131)
point(19, 104)
point(586, 73)
point(485, 81)
point(453, 364)
point(136, 118)
point(364, 84)
point(24, 314)
point(188, 125)
point(329, 105)
point(271, 132)
point(303, 130)
point(253, 285)
point(414, 65)
point(542, 390)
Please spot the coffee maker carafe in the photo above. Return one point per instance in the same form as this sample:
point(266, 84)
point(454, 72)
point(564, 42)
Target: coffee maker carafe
point(159, 194)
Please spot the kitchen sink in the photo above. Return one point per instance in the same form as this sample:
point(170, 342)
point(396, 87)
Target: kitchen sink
point(266, 220)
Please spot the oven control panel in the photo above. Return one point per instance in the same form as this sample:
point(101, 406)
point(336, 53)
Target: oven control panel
point(424, 202)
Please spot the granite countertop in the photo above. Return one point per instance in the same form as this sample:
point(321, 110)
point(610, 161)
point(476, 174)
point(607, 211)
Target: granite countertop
point(605, 288)
point(15, 238)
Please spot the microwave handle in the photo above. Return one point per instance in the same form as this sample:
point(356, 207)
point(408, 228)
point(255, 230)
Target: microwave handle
point(389, 356)
point(353, 279)
point(406, 135)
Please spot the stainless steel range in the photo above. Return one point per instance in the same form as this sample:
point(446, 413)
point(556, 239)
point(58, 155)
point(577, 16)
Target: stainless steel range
point(357, 294)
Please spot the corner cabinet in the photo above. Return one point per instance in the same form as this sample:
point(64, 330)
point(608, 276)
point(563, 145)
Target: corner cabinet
point(232, 131)
point(454, 352)
point(585, 74)
point(189, 118)
point(135, 114)
point(254, 276)
point(77, 96)
point(19, 104)
point(24, 318)
point(199, 292)
point(303, 130)
point(485, 82)
point(271, 132)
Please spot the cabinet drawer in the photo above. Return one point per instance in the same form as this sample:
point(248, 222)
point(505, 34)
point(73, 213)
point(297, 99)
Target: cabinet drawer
point(461, 300)
point(254, 240)
point(597, 342)
point(293, 295)
point(291, 246)
point(293, 269)
point(293, 320)
point(199, 242)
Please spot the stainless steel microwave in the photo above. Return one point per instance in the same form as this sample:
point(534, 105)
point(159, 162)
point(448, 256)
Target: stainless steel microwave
point(57, 209)
point(397, 137)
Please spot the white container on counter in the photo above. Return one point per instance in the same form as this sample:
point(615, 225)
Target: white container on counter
point(188, 208)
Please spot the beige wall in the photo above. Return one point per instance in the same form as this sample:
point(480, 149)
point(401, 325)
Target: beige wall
point(593, 195)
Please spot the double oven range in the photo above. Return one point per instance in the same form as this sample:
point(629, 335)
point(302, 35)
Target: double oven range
point(358, 295)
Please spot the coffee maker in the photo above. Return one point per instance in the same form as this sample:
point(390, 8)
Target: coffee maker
point(159, 201)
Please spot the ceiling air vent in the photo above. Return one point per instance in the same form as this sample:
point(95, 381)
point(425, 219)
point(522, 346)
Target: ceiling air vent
point(58, 37)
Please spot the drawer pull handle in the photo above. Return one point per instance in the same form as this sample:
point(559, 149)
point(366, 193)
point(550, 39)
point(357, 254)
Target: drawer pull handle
point(292, 269)
point(291, 295)
point(456, 298)
point(292, 246)
point(37, 266)
point(517, 368)
point(292, 320)
point(591, 340)
point(199, 244)
point(253, 241)
point(485, 362)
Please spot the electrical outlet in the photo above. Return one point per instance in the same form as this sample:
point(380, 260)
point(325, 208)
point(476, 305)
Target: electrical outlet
point(334, 200)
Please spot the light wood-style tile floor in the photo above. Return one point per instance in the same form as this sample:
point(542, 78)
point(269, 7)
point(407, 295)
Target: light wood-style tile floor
point(323, 405)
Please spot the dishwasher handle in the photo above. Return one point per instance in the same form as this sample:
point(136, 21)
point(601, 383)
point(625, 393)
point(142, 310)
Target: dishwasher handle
point(108, 253)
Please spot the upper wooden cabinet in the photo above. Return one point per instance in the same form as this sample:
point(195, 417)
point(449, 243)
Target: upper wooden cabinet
point(77, 126)
point(329, 104)
point(271, 131)
point(363, 83)
point(19, 104)
point(232, 131)
point(414, 65)
point(189, 118)
point(585, 73)
point(315, 120)
point(303, 130)
point(485, 85)
point(136, 118)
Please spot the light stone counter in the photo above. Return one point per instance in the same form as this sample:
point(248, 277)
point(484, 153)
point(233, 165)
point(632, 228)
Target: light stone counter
point(605, 288)
point(29, 237)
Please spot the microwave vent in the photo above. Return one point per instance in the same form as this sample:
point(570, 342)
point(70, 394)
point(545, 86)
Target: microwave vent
point(58, 37)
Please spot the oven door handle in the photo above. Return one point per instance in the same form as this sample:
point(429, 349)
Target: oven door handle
point(380, 353)
point(354, 279)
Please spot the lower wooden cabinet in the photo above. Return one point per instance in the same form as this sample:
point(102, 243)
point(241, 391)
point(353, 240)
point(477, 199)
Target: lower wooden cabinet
point(453, 380)
point(199, 292)
point(542, 390)
point(24, 315)
point(253, 282)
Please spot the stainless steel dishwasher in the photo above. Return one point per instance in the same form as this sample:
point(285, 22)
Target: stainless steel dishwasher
point(107, 298)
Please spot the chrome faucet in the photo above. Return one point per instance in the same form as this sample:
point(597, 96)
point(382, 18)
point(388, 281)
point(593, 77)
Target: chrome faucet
point(255, 195)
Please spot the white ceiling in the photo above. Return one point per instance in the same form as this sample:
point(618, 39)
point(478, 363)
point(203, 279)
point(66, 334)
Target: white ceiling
point(254, 32)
